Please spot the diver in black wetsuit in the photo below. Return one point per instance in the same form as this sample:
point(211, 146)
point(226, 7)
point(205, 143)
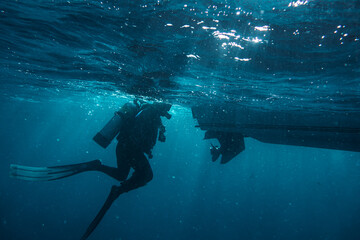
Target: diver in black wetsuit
point(137, 137)
point(141, 127)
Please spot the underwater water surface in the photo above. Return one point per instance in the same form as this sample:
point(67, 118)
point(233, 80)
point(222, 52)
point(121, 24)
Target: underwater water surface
point(66, 66)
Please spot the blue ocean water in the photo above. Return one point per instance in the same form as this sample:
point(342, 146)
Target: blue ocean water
point(66, 66)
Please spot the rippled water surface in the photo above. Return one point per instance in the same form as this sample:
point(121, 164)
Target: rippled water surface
point(301, 54)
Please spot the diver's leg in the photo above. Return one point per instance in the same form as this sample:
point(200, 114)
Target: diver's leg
point(123, 166)
point(142, 173)
point(119, 174)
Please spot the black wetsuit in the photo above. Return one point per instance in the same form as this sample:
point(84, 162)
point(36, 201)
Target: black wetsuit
point(137, 137)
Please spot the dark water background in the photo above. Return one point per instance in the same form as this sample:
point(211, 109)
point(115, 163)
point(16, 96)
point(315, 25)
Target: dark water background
point(66, 66)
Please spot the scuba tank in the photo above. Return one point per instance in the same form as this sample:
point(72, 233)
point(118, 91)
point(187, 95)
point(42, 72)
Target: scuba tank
point(109, 131)
point(112, 128)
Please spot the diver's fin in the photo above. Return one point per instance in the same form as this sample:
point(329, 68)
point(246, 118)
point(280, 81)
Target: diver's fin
point(50, 173)
point(115, 192)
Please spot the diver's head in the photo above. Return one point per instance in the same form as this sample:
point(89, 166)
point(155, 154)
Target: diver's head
point(163, 109)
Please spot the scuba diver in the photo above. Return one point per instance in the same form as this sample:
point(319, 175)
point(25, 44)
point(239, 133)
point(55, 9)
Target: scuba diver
point(138, 126)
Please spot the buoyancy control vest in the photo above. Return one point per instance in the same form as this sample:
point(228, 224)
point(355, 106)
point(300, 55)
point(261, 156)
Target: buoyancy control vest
point(125, 116)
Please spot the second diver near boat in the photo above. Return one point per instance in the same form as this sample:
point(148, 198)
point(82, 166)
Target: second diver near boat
point(138, 126)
